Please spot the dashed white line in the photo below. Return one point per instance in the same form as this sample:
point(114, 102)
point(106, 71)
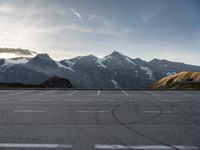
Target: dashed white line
point(86, 111)
point(171, 100)
point(27, 145)
point(98, 92)
point(48, 92)
point(167, 100)
point(160, 147)
point(178, 93)
point(29, 111)
point(27, 100)
point(74, 100)
point(21, 92)
point(125, 92)
point(132, 100)
point(70, 94)
point(91, 100)
point(151, 93)
point(157, 112)
point(187, 94)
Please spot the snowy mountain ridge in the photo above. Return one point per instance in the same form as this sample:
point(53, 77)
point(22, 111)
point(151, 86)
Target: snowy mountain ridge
point(112, 71)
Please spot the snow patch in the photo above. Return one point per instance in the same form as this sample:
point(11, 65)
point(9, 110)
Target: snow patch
point(69, 67)
point(111, 57)
point(148, 71)
point(114, 82)
point(130, 61)
point(105, 58)
point(100, 64)
point(70, 63)
point(79, 57)
point(170, 73)
point(13, 61)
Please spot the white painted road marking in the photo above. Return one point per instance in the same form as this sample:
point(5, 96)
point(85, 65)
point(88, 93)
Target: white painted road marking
point(29, 111)
point(98, 92)
point(91, 100)
point(132, 100)
point(125, 92)
point(21, 92)
point(151, 93)
point(157, 112)
point(171, 100)
point(27, 145)
point(70, 94)
point(167, 100)
point(118, 100)
point(27, 100)
point(75, 100)
point(187, 94)
point(47, 92)
point(145, 147)
point(178, 93)
point(83, 111)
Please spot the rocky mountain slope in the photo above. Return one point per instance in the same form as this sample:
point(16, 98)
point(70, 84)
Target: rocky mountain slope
point(184, 79)
point(113, 71)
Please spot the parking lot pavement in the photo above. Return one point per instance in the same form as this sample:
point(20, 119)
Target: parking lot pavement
point(99, 119)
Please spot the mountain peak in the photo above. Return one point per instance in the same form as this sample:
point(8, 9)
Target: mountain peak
point(116, 53)
point(42, 61)
point(43, 56)
point(91, 57)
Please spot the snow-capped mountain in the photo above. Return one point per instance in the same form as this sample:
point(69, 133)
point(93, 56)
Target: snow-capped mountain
point(42, 63)
point(113, 71)
point(162, 68)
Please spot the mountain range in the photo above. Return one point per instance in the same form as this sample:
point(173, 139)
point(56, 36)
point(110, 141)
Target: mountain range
point(113, 71)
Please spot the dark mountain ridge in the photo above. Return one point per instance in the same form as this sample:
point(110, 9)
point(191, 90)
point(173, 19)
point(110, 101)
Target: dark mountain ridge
point(53, 82)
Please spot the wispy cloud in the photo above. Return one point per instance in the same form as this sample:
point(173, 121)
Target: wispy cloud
point(80, 17)
point(77, 14)
point(92, 17)
point(17, 51)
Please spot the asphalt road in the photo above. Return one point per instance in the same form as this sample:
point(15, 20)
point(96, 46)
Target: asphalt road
point(101, 120)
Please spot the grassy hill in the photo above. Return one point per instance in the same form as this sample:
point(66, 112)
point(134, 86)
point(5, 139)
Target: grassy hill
point(182, 80)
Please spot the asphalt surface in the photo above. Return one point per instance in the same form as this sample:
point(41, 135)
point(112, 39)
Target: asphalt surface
point(94, 119)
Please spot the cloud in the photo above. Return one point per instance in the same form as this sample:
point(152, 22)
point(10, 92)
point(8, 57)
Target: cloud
point(77, 14)
point(17, 51)
point(91, 17)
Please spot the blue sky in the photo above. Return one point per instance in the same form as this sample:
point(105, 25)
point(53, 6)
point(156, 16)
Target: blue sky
point(164, 29)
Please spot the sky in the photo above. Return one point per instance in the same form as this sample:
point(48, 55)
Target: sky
point(163, 29)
